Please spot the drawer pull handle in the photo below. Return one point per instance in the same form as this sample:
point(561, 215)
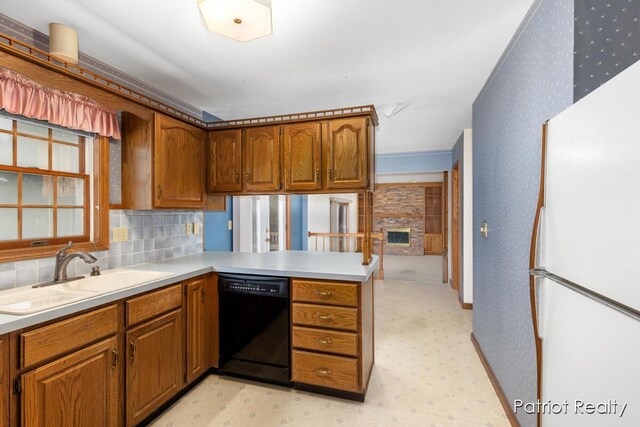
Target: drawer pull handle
point(324, 371)
point(325, 317)
point(325, 341)
point(132, 350)
point(324, 293)
point(203, 294)
point(114, 358)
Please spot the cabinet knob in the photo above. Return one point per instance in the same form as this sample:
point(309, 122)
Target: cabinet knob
point(237, 178)
point(323, 293)
point(114, 357)
point(330, 174)
point(317, 174)
point(132, 350)
point(203, 294)
point(247, 178)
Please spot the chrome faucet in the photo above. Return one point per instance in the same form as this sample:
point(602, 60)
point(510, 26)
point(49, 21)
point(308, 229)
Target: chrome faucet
point(63, 260)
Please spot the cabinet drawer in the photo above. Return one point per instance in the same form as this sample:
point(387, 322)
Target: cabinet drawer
point(326, 371)
point(325, 316)
point(150, 305)
point(61, 337)
point(324, 340)
point(325, 292)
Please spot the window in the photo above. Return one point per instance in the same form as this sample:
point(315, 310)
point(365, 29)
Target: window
point(45, 185)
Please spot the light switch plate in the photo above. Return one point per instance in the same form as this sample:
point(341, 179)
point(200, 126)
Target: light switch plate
point(120, 234)
point(189, 228)
point(230, 225)
point(197, 228)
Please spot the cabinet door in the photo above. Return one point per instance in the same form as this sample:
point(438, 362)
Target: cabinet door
point(302, 143)
point(4, 381)
point(154, 365)
point(225, 160)
point(178, 164)
point(346, 158)
point(198, 351)
point(262, 159)
point(80, 389)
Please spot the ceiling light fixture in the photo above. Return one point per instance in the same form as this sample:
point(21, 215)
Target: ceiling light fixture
point(241, 20)
point(63, 43)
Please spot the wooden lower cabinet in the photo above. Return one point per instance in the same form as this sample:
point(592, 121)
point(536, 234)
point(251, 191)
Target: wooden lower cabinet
point(81, 389)
point(198, 327)
point(332, 339)
point(154, 365)
point(433, 244)
point(4, 381)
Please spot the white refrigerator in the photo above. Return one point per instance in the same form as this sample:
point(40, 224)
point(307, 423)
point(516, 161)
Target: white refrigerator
point(588, 293)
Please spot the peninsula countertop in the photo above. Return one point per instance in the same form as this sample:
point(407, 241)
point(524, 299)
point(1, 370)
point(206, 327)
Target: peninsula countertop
point(301, 264)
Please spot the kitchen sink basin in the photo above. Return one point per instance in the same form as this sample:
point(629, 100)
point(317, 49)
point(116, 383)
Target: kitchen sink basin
point(113, 280)
point(32, 300)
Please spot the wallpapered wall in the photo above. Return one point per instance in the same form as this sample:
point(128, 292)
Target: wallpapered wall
point(424, 161)
point(532, 83)
point(607, 41)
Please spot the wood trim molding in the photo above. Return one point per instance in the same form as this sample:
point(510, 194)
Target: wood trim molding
point(532, 264)
point(496, 385)
point(408, 184)
point(464, 305)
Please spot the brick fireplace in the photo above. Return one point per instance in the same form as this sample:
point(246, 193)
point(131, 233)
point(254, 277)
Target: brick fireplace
point(400, 207)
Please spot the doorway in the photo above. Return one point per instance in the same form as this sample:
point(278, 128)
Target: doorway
point(261, 223)
point(455, 226)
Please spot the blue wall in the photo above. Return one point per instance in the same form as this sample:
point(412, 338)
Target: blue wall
point(299, 221)
point(532, 83)
point(423, 161)
point(457, 155)
point(217, 236)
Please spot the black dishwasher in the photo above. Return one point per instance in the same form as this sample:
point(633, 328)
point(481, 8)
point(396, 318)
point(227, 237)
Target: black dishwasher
point(254, 327)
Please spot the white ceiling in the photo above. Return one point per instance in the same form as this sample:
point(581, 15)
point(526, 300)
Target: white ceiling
point(435, 54)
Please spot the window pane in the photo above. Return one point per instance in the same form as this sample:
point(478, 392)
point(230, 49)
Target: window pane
point(70, 222)
point(8, 188)
point(8, 224)
point(33, 153)
point(66, 158)
point(61, 135)
point(6, 149)
point(37, 223)
point(33, 129)
point(6, 124)
point(70, 191)
point(37, 189)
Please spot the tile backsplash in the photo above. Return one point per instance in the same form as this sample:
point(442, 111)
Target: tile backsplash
point(152, 236)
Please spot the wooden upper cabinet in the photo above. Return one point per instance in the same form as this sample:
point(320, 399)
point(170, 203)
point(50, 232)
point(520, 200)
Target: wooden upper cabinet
point(80, 389)
point(178, 164)
point(262, 159)
point(346, 153)
point(302, 156)
point(225, 161)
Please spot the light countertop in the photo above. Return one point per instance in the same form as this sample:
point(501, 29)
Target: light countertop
point(301, 264)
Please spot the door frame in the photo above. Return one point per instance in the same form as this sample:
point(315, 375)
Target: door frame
point(455, 226)
point(445, 227)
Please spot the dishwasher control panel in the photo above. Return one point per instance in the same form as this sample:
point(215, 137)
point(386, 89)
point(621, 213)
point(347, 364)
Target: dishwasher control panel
point(267, 286)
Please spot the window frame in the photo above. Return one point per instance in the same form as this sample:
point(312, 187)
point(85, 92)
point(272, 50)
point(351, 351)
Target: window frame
point(98, 240)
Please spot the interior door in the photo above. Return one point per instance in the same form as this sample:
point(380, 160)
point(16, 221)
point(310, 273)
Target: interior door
point(455, 226)
point(262, 159)
point(178, 164)
point(225, 161)
point(346, 153)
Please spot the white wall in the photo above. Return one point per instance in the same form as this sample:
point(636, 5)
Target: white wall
point(467, 226)
point(319, 218)
point(409, 177)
